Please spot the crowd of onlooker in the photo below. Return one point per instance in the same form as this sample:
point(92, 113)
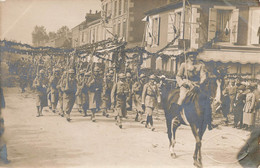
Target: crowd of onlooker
point(240, 99)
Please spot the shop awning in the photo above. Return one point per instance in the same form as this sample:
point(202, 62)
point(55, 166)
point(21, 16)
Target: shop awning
point(234, 56)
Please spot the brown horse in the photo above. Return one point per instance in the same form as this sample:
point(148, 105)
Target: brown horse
point(196, 112)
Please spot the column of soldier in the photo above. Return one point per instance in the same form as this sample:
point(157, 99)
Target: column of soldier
point(95, 91)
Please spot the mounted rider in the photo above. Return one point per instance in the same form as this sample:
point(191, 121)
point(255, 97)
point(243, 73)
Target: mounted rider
point(191, 74)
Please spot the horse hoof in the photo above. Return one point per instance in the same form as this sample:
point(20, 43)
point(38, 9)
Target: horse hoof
point(197, 164)
point(173, 155)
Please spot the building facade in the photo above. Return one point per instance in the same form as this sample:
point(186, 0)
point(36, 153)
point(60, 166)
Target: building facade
point(236, 24)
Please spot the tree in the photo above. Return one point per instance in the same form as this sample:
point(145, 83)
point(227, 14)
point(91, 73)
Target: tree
point(52, 35)
point(39, 35)
point(63, 31)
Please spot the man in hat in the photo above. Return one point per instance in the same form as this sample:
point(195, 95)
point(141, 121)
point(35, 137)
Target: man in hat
point(85, 97)
point(190, 76)
point(69, 91)
point(106, 93)
point(119, 94)
point(54, 79)
point(239, 103)
point(137, 100)
point(94, 85)
point(60, 90)
point(129, 97)
point(40, 84)
point(232, 91)
point(81, 83)
point(150, 98)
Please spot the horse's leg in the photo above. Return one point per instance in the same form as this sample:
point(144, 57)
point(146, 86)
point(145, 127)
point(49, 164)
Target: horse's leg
point(175, 124)
point(196, 158)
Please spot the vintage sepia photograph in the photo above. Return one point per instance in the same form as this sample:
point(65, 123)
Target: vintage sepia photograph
point(130, 83)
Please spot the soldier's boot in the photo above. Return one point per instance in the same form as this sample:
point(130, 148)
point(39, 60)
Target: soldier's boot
point(41, 111)
point(38, 112)
point(68, 117)
point(62, 113)
point(53, 108)
point(93, 117)
point(151, 122)
point(142, 120)
point(136, 117)
point(147, 121)
point(3, 154)
point(85, 113)
point(119, 121)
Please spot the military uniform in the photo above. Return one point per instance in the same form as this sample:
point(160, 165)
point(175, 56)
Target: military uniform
point(129, 96)
point(94, 85)
point(188, 76)
point(40, 84)
point(106, 94)
point(81, 81)
point(54, 90)
point(137, 94)
point(60, 90)
point(69, 91)
point(150, 98)
point(119, 93)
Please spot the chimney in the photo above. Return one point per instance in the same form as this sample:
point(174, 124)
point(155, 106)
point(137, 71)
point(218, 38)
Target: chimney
point(90, 11)
point(96, 11)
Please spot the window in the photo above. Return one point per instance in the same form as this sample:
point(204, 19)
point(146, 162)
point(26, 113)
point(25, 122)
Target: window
point(124, 29)
point(115, 8)
point(120, 7)
point(224, 22)
point(155, 30)
point(82, 37)
point(125, 5)
point(174, 25)
point(119, 30)
point(114, 29)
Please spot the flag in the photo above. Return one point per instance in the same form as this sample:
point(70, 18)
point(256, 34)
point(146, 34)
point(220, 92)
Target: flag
point(149, 32)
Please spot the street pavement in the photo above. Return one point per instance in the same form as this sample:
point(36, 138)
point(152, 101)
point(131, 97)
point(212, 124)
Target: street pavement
point(52, 142)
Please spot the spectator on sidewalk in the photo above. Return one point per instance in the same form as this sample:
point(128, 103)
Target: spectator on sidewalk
point(238, 106)
point(3, 148)
point(249, 109)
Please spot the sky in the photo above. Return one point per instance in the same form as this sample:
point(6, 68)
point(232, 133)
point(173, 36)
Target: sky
point(19, 17)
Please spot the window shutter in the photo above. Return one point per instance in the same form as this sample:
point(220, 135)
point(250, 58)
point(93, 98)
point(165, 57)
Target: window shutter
point(158, 31)
point(234, 28)
point(171, 27)
point(212, 23)
point(187, 23)
point(149, 32)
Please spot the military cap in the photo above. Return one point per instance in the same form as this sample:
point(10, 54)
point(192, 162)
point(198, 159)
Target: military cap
point(121, 76)
point(41, 71)
point(56, 70)
point(162, 77)
point(128, 74)
point(142, 76)
point(96, 69)
point(242, 87)
point(152, 77)
point(71, 71)
point(81, 71)
point(88, 73)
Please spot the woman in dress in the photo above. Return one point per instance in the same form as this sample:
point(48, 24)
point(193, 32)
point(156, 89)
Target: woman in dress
point(249, 109)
